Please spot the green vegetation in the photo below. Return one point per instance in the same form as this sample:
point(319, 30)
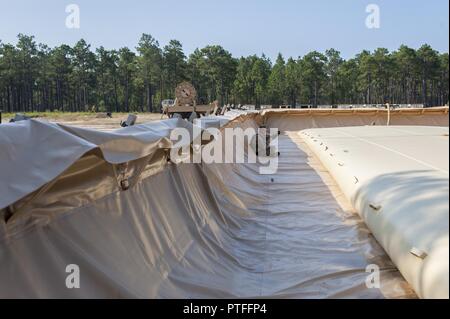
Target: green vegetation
point(36, 78)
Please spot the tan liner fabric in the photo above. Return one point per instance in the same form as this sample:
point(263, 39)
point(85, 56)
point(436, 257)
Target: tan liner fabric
point(177, 231)
point(192, 231)
point(296, 120)
point(33, 153)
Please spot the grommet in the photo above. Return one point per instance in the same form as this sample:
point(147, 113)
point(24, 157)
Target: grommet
point(375, 207)
point(124, 184)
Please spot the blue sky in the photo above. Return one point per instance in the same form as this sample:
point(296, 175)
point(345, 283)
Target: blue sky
point(244, 27)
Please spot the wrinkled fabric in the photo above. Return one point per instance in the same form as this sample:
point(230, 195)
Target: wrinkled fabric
point(187, 230)
point(194, 231)
point(33, 153)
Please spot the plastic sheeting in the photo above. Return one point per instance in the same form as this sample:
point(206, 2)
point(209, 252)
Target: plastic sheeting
point(179, 231)
point(397, 179)
point(189, 230)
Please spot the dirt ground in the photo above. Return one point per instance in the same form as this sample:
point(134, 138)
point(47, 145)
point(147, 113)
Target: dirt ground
point(94, 121)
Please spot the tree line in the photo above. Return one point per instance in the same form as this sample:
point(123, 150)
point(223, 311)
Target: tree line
point(35, 77)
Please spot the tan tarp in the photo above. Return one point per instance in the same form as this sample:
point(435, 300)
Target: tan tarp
point(33, 153)
point(180, 231)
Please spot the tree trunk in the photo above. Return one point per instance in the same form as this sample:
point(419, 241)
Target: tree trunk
point(127, 92)
point(149, 98)
point(424, 91)
point(315, 94)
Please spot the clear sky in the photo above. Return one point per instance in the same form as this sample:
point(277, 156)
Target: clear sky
point(244, 27)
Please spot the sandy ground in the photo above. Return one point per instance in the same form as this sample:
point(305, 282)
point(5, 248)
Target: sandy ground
point(96, 121)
